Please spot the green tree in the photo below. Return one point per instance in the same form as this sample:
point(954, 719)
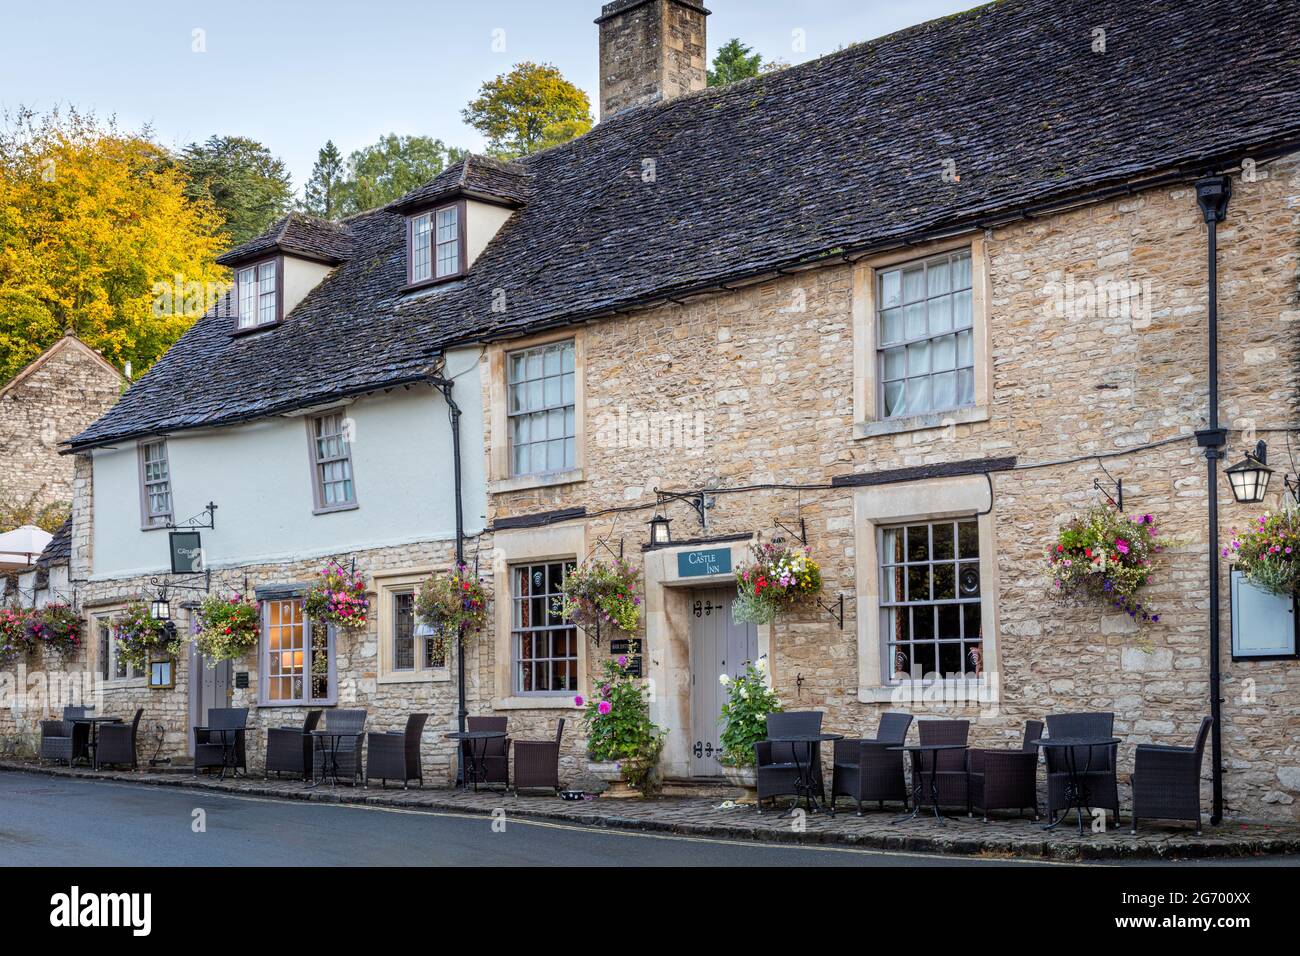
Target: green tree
point(48, 517)
point(249, 186)
point(734, 61)
point(378, 174)
point(530, 108)
point(94, 224)
point(323, 193)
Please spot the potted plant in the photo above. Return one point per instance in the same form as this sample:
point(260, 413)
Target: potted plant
point(55, 627)
point(602, 594)
point(338, 598)
point(15, 638)
point(140, 638)
point(621, 738)
point(749, 700)
point(1268, 553)
point(448, 602)
point(776, 579)
point(1104, 555)
point(228, 627)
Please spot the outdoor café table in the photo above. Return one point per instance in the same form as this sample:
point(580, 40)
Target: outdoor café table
point(805, 786)
point(918, 776)
point(476, 754)
point(93, 743)
point(229, 748)
point(329, 759)
point(1076, 790)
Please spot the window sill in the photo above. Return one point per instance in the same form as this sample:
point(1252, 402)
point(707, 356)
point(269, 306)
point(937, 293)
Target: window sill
point(155, 527)
point(276, 704)
point(523, 482)
point(427, 283)
point(916, 423)
point(126, 683)
point(933, 693)
point(541, 702)
point(436, 675)
point(336, 509)
point(254, 329)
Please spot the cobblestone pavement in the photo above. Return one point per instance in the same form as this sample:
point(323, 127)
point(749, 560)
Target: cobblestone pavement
point(1008, 836)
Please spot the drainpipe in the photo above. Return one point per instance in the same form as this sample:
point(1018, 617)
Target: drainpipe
point(445, 385)
point(1212, 195)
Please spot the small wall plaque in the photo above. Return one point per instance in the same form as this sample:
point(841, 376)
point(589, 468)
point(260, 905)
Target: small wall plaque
point(694, 564)
point(241, 679)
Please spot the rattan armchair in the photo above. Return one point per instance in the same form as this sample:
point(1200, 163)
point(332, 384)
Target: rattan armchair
point(117, 742)
point(537, 762)
point(1095, 766)
point(396, 755)
point(867, 769)
point(776, 765)
point(493, 754)
point(951, 777)
point(221, 742)
point(1167, 781)
point(346, 749)
point(288, 749)
point(65, 739)
point(1006, 779)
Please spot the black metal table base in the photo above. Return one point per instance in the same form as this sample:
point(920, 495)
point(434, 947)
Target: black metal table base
point(918, 784)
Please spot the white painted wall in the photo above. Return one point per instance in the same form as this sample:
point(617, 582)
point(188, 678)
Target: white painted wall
point(259, 475)
point(482, 220)
point(300, 277)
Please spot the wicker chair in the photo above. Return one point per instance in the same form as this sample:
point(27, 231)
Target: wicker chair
point(288, 749)
point(537, 763)
point(494, 753)
point(211, 745)
point(396, 754)
point(65, 739)
point(867, 769)
point(776, 769)
point(1167, 781)
point(1095, 765)
point(117, 742)
point(1007, 779)
point(348, 752)
point(951, 777)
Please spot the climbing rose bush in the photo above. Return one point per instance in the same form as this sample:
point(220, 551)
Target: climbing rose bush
point(1268, 552)
point(1104, 555)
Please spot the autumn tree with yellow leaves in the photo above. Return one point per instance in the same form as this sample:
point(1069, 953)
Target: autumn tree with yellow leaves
point(96, 231)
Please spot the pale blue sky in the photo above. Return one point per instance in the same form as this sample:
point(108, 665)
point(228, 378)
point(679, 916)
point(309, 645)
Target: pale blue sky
point(292, 73)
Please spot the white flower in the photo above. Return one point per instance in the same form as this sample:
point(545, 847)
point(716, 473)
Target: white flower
point(761, 664)
point(724, 679)
point(744, 692)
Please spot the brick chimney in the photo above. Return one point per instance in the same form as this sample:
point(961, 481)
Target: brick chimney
point(650, 50)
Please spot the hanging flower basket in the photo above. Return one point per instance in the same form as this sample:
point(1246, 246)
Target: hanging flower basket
point(777, 579)
point(1106, 556)
point(228, 627)
point(339, 598)
point(55, 627)
point(14, 636)
point(450, 601)
point(1268, 553)
point(600, 594)
point(140, 638)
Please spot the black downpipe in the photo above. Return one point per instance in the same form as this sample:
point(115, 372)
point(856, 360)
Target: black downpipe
point(1212, 196)
point(445, 385)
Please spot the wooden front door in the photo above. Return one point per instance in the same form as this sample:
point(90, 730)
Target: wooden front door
point(718, 646)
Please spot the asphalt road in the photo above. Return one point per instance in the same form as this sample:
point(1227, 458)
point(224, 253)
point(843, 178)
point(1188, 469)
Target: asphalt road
point(47, 821)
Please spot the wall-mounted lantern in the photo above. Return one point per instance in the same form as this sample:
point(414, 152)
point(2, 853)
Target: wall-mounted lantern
point(1249, 477)
point(659, 532)
point(160, 609)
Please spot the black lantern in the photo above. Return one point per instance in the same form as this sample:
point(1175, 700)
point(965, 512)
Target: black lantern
point(1249, 477)
point(160, 609)
point(659, 533)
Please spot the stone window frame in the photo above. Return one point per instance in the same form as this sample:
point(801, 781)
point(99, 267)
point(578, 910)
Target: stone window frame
point(563, 348)
point(500, 478)
point(263, 658)
point(106, 669)
point(566, 566)
point(387, 585)
point(559, 542)
point(868, 418)
point(148, 517)
point(879, 506)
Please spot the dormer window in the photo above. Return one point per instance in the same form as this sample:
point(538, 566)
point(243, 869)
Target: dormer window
point(435, 242)
point(257, 289)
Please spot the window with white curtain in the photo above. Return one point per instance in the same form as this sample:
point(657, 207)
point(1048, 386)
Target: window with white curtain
point(542, 410)
point(332, 462)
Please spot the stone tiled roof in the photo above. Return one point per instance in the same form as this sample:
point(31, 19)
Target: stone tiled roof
point(479, 177)
point(843, 153)
point(296, 234)
point(59, 549)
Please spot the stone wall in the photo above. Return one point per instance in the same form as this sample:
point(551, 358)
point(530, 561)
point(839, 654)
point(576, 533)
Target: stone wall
point(65, 390)
point(770, 369)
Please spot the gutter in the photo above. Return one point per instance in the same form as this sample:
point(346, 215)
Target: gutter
point(445, 385)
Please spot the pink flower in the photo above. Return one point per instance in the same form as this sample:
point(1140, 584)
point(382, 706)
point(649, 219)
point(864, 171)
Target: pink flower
point(622, 660)
point(604, 707)
point(577, 701)
point(1121, 546)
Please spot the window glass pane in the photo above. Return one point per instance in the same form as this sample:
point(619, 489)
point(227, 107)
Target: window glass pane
point(940, 314)
point(421, 249)
point(542, 410)
point(892, 327)
point(914, 323)
point(943, 390)
point(404, 631)
point(937, 277)
point(961, 310)
point(543, 645)
point(961, 270)
point(913, 283)
point(891, 288)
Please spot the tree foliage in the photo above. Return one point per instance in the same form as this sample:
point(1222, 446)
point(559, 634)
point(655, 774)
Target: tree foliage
point(48, 517)
point(738, 61)
point(381, 173)
point(91, 217)
point(323, 194)
point(532, 107)
point(248, 185)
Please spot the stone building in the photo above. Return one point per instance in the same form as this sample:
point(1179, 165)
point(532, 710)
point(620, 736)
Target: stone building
point(60, 393)
point(905, 304)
